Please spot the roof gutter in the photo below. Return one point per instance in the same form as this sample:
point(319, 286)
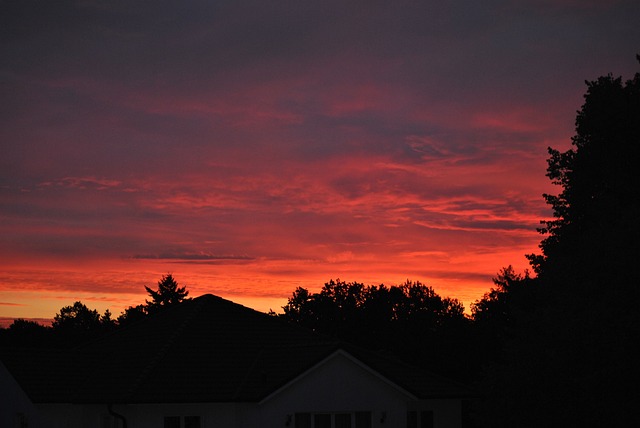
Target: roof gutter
point(117, 415)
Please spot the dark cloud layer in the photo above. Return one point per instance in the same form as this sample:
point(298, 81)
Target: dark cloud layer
point(270, 144)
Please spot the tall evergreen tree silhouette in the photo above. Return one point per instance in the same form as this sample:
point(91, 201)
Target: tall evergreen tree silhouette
point(168, 293)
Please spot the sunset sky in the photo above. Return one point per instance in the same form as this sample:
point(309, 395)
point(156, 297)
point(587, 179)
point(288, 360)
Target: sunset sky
point(251, 147)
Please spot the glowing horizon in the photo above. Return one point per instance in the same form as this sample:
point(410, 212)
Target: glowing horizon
point(249, 149)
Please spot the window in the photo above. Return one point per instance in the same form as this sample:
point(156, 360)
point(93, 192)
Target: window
point(412, 419)
point(342, 420)
point(192, 422)
point(172, 422)
point(363, 419)
point(322, 420)
point(425, 420)
point(333, 420)
point(182, 422)
point(303, 420)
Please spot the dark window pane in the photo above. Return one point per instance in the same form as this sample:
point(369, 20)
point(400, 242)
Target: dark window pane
point(363, 419)
point(322, 420)
point(303, 420)
point(342, 420)
point(172, 422)
point(412, 419)
point(192, 422)
point(426, 419)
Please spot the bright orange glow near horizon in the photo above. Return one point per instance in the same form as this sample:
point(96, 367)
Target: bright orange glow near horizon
point(249, 149)
point(260, 284)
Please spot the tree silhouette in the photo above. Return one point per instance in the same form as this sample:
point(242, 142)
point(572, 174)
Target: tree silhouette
point(572, 361)
point(77, 317)
point(596, 221)
point(410, 319)
point(27, 333)
point(503, 305)
point(132, 314)
point(168, 293)
point(75, 323)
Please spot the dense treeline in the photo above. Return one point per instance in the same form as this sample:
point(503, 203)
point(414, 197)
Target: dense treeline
point(554, 349)
point(77, 323)
point(410, 319)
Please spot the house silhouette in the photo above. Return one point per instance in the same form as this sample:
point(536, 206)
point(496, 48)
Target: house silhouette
point(209, 362)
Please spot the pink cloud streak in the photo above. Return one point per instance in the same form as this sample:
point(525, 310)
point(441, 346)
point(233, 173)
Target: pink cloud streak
point(250, 149)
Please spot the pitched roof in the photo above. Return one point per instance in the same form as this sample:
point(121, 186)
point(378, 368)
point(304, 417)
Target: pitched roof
point(42, 374)
point(204, 350)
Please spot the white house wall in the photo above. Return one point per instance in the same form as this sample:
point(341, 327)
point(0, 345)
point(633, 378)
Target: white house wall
point(15, 406)
point(60, 415)
point(343, 385)
point(340, 384)
point(213, 415)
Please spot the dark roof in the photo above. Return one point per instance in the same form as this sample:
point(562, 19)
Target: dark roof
point(204, 350)
point(42, 374)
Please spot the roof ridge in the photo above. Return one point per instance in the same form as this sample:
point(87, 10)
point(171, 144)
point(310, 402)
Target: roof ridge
point(312, 344)
point(199, 303)
point(365, 354)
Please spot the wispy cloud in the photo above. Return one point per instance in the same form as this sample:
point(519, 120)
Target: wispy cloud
point(83, 183)
point(251, 147)
point(191, 257)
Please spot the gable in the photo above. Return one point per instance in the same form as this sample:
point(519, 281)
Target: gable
point(339, 378)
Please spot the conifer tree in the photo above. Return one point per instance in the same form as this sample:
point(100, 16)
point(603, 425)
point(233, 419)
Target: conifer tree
point(168, 293)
